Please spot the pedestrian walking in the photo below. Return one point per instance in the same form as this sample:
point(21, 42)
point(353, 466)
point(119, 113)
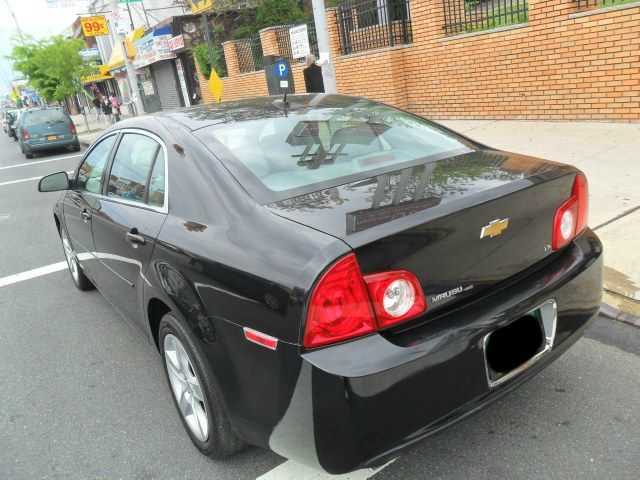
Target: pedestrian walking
point(115, 106)
point(97, 104)
point(313, 75)
point(106, 109)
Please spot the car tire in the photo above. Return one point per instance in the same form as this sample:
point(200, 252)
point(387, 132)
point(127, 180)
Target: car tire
point(76, 147)
point(220, 439)
point(28, 154)
point(80, 280)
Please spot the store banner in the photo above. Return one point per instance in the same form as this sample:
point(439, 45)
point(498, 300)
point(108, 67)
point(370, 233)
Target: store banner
point(153, 47)
point(176, 43)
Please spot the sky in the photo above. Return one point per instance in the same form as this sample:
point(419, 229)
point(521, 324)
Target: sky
point(37, 18)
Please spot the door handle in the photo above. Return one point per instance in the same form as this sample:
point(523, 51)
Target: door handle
point(134, 239)
point(86, 215)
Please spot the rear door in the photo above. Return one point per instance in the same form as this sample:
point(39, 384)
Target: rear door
point(79, 202)
point(128, 217)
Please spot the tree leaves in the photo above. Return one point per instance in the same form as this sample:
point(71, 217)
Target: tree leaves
point(53, 66)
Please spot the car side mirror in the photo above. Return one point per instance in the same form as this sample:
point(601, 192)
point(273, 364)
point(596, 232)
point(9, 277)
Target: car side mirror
point(54, 182)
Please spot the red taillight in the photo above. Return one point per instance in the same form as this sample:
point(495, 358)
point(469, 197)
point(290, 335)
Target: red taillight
point(72, 127)
point(25, 135)
point(346, 305)
point(339, 308)
point(580, 190)
point(571, 217)
point(396, 296)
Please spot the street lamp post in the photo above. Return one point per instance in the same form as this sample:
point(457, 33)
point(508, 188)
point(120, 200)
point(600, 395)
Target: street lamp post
point(322, 33)
point(15, 20)
point(131, 73)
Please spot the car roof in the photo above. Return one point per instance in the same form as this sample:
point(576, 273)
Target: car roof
point(231, 111)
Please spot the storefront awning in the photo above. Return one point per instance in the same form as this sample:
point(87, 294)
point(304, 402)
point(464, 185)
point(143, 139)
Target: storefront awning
point(117, 58)
point(153, 47)
point(129, 41)
point(98, 77)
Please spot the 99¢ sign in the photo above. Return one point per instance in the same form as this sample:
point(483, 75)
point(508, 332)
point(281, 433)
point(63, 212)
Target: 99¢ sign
point(94, 26)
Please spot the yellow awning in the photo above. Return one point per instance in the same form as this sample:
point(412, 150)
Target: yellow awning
point(129, 41)
point(117, 58)
point(98, 77)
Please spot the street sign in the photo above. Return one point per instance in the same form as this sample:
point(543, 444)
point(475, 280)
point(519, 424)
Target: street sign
point(119, 19)
point(282, 69)
point(95, 26)
point(215, 85)
point(299, 37)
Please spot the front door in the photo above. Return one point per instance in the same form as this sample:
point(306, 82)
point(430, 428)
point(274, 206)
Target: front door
point(79, 202)
point(127, 220)
point(149, 92)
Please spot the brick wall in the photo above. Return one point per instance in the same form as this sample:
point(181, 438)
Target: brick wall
point(563, 65)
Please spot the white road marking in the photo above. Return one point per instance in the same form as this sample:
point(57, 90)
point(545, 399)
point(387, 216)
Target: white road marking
point(40, 161)
point(36, 272)
point(26, 180)
point(292, 471)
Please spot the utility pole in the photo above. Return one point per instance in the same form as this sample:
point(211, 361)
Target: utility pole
point(131, 73)
point(322, 32)
point(15, 20)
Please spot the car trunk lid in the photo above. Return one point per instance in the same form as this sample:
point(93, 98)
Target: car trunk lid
point(461, 224)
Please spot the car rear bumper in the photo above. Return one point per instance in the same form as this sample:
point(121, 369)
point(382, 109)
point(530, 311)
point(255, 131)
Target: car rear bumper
point(45, 145)
point(358, 404)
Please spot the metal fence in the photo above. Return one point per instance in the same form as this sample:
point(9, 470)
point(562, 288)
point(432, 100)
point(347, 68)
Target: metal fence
point(369, 24)
point(249, 54)
point(284, 40)
point(466, 16)
point(599, 3)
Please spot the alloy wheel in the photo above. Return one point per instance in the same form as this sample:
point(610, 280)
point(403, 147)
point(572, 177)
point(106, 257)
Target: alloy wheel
point(186, 387)
point(72, 261)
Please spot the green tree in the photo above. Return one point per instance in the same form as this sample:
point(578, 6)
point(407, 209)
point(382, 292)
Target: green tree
point(279, 12)
point(53, 66)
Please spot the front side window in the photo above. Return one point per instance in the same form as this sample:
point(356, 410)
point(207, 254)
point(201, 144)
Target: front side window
point(90, 173)
point(132, 164)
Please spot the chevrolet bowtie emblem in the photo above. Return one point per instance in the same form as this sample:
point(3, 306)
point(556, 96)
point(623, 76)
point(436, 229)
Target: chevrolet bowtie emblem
point(495, 228)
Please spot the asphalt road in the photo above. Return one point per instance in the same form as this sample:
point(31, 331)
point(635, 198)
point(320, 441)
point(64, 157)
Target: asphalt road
point(83, 396)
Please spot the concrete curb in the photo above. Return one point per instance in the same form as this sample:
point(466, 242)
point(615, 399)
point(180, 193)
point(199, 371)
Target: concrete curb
point(615, 314)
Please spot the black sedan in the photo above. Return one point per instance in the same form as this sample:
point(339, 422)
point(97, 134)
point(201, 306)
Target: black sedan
point(329, 277)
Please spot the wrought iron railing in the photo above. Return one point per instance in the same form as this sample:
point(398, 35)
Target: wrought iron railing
point(370, 24)
point(249, 52)
point(467, 16)
point(284, 40)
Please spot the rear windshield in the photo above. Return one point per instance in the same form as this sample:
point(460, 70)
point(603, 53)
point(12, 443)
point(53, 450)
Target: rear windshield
point(36, 117)
point(308, 150)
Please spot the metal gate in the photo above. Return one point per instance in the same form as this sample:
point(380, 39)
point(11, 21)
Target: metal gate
point(165, 77)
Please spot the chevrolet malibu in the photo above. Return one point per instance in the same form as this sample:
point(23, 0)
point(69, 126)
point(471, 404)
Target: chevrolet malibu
point(326, 276)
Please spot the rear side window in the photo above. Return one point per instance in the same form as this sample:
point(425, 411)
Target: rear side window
point(132, 166)
point(90, 173)
point(37, 117)
point(305, 150)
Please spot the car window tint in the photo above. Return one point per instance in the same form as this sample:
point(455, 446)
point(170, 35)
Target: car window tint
point(131, 165)
point(90, 173)
point(283, 155)
point(157, 182)
point(53, 115)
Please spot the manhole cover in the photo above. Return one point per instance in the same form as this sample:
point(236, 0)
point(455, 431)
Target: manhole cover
point(3, 216)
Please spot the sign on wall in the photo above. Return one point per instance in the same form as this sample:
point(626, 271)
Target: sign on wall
point(95, 26)
point(176, 43)
point(199, 6)
point(153, 47)
point(299, 41)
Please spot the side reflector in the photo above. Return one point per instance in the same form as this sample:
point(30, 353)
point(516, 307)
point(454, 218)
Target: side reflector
point(261, 338)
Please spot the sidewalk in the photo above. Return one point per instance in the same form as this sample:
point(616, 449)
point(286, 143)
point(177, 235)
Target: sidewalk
point(96, 127)
point(608, 154)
